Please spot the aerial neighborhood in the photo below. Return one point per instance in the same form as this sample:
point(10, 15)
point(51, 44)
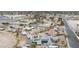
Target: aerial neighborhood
point(40, 29)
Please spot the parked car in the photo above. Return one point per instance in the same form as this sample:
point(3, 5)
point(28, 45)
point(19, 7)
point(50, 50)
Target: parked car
point(53, 46)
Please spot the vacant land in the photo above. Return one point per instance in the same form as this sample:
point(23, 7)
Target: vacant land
point(7, 39)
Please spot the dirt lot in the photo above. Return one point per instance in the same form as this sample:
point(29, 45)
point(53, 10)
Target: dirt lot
point(7, 39)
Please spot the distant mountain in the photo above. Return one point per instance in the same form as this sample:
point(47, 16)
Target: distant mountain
point(3, 18)
point(33, 12)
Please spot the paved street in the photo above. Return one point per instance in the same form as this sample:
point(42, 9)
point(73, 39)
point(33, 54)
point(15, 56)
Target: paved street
point(71, 36)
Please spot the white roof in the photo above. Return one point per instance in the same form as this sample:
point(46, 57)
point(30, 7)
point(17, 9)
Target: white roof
point(23, 32)
point(27, 28)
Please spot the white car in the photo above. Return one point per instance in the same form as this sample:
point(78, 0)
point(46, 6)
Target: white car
point(24, 47)
point(51, 46)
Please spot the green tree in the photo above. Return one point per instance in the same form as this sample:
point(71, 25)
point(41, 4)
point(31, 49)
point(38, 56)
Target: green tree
point(34, 44)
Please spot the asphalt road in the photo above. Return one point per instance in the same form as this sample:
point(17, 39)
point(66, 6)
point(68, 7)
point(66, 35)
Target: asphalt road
point(72, 39)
